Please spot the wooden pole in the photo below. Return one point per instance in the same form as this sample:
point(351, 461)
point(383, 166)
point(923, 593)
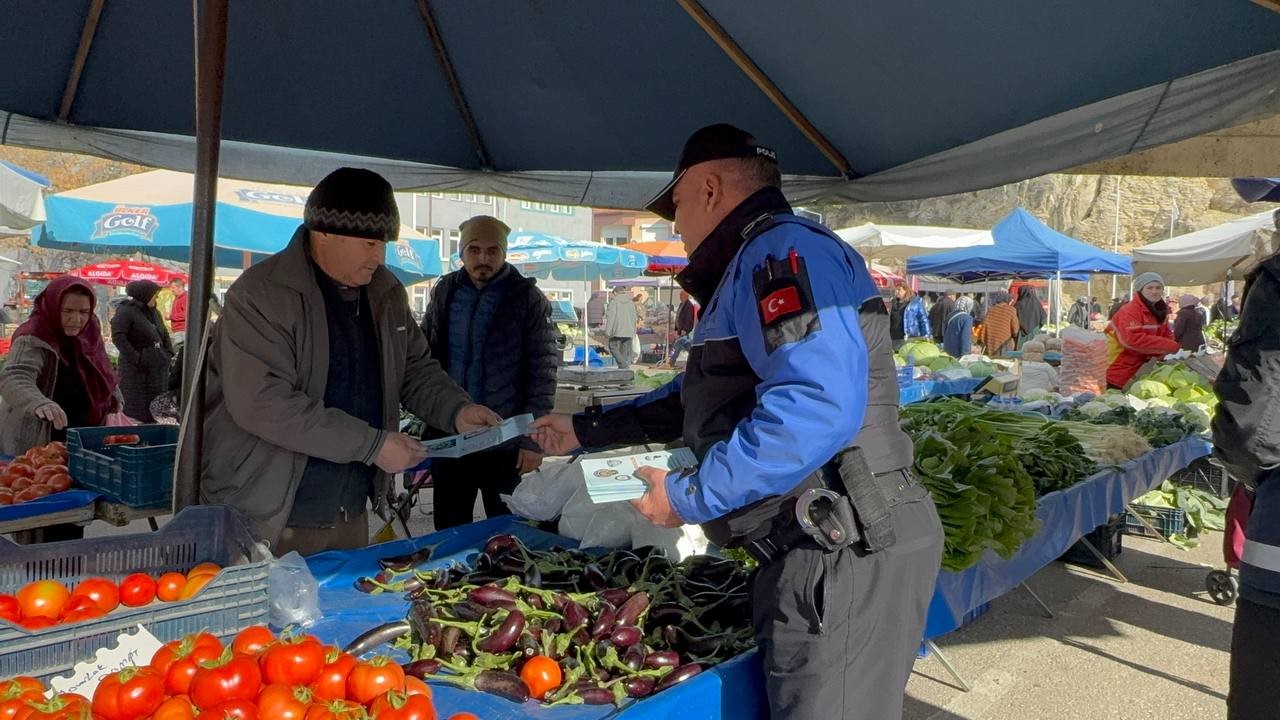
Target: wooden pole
point(210, 18)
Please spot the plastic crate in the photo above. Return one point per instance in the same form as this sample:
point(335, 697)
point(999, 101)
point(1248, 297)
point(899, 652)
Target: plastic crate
point(136, 475)
point(1204, 474)
point(1107, 538)
point(1167, 521)
point(235, 599)
point(906, 375)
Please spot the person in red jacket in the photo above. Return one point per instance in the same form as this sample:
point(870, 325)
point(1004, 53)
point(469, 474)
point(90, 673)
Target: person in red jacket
point(1139, 331)
point(178, 313)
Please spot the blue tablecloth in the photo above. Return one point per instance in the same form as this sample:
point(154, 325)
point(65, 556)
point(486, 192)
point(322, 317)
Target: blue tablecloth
point(1065, 517)
point(922, 390)
point(733, 689)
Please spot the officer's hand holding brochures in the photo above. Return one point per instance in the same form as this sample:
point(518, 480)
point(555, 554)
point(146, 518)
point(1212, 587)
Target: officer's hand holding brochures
point(611, 478)
point(479, 439)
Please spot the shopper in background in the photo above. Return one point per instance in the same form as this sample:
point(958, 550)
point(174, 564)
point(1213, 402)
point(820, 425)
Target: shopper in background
point(1189, 324)
point(1001, 327)
point(138, 332)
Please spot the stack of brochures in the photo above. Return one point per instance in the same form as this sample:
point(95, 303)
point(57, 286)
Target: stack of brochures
point(611, 478)
point(479, 439)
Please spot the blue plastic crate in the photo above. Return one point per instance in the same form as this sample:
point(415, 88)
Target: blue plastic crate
point(1167, 521)
point(136, 475)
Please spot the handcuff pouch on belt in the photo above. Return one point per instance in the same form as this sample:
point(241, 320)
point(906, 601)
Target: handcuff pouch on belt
point(859, 515)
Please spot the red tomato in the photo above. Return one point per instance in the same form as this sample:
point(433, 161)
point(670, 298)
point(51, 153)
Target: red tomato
point(332, 683)
point(11, 707)
point(232, 710)
point(414, 686)
point(463, 716)
point(47, 471)
point(18, 468)
point(175, 708)
point(101, 591)
point(194, 585)
point(10, 609)
point(6, 495)
point(337, 710)
point(37, 623)
point(283, 702)
point(204, 568)
point(233, 677)
point(169, 586)
point(93, 612)
point(59, 482)
point(293, 662)
point(253, 640)
point(43, 598)
point(26, 494)
point(137, 590)
point(67, 706)
point(129, 694)
point(369, 679)
point(399, 706)
point(542, 675)
point(181, 667)
point(16, 693)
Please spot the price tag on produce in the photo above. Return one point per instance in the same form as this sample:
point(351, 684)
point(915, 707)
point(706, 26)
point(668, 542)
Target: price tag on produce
point(130, 649)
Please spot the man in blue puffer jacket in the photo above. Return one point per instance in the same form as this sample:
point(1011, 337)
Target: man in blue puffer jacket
point(490, 327)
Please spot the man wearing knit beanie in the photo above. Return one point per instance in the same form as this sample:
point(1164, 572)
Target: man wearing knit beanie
point(308, 366)
point(490, 327)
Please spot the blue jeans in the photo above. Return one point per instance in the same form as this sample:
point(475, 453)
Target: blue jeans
point(682, 343)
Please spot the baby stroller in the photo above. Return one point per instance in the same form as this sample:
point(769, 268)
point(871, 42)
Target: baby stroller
point(1224, 585)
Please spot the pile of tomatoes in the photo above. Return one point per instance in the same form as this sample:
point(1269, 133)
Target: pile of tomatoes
point(45, 603)
point(257, 677)
point(34, 474)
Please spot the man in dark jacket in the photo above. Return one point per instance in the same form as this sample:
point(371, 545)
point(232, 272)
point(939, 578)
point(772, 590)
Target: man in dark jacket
point(939, 313)
point(491, 329)
point(1246, 438)
point(686, 320)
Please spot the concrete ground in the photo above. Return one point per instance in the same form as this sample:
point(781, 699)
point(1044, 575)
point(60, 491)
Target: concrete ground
point(1154, 647)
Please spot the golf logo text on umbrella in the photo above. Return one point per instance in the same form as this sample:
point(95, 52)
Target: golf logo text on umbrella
point(255, 195)
point(127, 220)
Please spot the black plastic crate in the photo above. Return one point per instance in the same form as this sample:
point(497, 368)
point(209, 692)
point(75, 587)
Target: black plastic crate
point(136, 475)
point(1167, 521)
point(235, 599)
point(1107, 538)
point(1205, 474)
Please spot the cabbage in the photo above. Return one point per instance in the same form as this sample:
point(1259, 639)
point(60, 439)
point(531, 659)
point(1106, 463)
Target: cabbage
point(1114, 399)
point(1197, 413)
point(1094, 408)
point(1189, 393)
point(982, 369)
point(920, 351)
point(1148, 389)
point(1160, 403)
point(941, 362)
point(1035, 395)
point(898, 361)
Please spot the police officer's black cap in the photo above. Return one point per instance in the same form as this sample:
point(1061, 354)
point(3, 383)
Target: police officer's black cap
point(713, 142)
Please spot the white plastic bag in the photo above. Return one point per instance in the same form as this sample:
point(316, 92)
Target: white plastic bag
point(607, 525)
point(293, 592)
point(1037, 376)
point(542, 495)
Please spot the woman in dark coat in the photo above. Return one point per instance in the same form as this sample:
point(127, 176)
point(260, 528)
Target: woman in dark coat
point(145, 350)
point(1031, 315)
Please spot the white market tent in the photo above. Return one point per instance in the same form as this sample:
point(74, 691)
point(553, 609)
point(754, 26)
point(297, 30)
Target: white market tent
point(1211, 255)
point(899, 242)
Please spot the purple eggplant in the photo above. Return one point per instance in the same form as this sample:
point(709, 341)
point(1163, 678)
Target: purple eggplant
point(502, 639)
point(448, 642)
point(639, 686)
point(422, 668)
point(634, 657)
point(615, 596)
point(503, 684)
point(594, 577)
point(624, 636)
point(662, 658)
point(633, 608)
point(510, 564)
point(380, 635)
point(605, 621)
point(386, 577)
point(365, 585)
point(553, 626)
point(420, 616)
point(679, 675)
point(672, 636)
point(595, 696)
point(469, 610)
point(500, 545)
point(492, 597)
point(575, 614)
point(404, 563)
point(666, 614)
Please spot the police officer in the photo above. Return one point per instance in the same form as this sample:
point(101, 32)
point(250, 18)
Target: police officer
point(790, 402)
point(1246, 438)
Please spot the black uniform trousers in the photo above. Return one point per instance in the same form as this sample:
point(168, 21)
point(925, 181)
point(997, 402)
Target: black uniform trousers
point(455, 482)
point(1254, 693)
point(839, 631)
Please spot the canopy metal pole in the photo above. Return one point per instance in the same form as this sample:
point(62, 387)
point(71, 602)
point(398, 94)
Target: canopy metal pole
point(1115, 241)
point(1057, 306)
point(210, 20)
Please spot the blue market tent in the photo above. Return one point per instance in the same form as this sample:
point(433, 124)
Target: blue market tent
point(1024, 248)
point(1257, 189)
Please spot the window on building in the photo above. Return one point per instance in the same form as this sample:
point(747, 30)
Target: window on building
point(454, 238)
point(484, 199)
point(439, 196)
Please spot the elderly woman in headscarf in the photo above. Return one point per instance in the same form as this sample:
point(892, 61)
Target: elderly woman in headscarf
point(1139, 331)
point(57, 374)
point(957, 337)
point(1031, 314)
point(145, 350)
point(1188, 324)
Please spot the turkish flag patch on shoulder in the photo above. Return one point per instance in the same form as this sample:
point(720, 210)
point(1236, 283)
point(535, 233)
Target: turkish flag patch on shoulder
point(781, 303)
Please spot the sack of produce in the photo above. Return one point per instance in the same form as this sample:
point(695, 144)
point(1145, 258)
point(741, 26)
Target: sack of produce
point(1084, 362)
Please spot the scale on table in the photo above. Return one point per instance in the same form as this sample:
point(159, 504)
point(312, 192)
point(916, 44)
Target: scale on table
point(1000, 385)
